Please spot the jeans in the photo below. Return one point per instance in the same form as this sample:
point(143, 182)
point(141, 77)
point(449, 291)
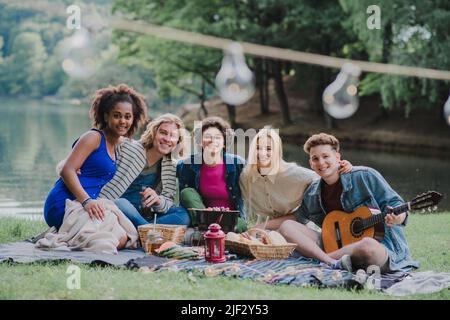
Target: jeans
point(175, 215)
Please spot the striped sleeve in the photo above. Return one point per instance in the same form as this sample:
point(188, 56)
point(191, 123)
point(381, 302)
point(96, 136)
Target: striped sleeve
point(131, 160)
point(169, 185)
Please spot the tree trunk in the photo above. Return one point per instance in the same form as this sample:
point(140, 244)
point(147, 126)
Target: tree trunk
point(387, 43)
point(281, 94)
point(231, 114)
point(316, 107)
point(202, 103)
point(261, 84)
point(265, 88)
point(202, 112)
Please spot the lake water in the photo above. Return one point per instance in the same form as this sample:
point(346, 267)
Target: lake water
point(35, 136)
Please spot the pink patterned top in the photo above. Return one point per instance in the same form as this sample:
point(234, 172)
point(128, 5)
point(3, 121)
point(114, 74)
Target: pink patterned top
point(213, 188)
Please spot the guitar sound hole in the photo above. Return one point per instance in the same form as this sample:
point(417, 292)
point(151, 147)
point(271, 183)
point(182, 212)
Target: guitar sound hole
point(356, 227)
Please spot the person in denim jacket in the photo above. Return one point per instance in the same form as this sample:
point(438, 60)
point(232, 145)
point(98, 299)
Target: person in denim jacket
point(363, 186)
point(211, 178)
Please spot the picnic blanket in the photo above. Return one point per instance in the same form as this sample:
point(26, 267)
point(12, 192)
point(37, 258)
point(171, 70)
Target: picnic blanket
point(26, 252)
point(421, 283)
point(295, 270)
point(292, 271)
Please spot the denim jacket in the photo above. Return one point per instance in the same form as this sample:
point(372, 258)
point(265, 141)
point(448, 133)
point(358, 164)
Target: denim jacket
point(363, 186)
point(188, 173)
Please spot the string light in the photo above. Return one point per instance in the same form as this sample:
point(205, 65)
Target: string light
point(249, 48)
point(79, 55)
point(340, 99)
point(235, 81)
point(447, 111)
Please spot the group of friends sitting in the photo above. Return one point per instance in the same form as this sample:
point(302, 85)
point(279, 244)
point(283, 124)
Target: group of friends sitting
point(143, 178)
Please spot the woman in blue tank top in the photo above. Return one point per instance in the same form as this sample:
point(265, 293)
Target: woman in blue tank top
point(116, 112)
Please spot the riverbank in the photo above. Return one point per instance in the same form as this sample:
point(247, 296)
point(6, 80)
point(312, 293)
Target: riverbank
point(424, 132)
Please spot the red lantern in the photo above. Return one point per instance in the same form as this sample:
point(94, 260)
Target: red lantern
point(214, 244)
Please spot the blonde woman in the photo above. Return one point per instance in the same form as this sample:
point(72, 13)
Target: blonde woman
point(145, 181)
point(271, 187)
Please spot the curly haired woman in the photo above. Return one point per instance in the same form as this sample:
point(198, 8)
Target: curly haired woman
point(116, 112)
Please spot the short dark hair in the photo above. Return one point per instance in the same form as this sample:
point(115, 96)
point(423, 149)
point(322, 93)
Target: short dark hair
point(106, 98)
point(321, 139)
point(218, 123)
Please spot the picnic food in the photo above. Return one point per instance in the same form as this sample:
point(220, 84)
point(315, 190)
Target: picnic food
point(232, 236)
point(260, 234)
point(175, 251)
point(165, 246)
point(259, 244)
point(257, 236)
point(277, 238)
point(217, 209)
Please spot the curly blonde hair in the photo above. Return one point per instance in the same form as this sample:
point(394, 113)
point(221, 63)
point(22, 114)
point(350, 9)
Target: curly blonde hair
point(105, 99)
point(152, 128)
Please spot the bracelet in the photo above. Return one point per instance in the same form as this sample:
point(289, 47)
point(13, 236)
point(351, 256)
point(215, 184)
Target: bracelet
point(85, 202)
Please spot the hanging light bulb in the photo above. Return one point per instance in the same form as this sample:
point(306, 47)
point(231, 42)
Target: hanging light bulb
point(340, 98)
point(79, 55)
point(447, 111)
point(235, 81)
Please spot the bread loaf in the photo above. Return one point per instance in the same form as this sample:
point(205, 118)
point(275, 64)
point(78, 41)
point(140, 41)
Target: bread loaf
point(232, 236)
point(277, 238)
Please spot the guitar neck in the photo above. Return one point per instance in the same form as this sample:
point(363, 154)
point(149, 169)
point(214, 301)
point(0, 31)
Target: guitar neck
point(377, 218)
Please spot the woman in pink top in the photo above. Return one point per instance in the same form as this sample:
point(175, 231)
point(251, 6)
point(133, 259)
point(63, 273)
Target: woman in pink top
point(211, 178)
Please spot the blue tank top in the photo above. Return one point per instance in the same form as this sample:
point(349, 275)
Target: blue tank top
point(96, 171)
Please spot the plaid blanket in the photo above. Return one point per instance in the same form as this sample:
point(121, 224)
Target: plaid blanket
point(295, 270)
point(292, 271)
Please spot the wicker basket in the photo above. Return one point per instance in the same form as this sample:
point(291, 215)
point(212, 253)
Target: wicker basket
point(169, 232)
point(260, 251)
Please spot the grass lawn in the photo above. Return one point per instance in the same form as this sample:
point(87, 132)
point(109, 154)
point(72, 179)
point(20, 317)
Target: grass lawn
point(428, 237)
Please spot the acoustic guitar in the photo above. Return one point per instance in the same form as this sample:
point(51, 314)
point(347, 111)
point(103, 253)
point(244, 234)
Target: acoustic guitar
point(340, 228)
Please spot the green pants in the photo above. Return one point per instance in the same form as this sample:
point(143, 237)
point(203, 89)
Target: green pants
point(190, 198)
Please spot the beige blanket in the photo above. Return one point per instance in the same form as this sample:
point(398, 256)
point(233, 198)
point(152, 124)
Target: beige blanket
point(80, 232)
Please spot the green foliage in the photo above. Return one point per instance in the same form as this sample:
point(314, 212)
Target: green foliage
point(313, 26)
point(178, 68)
point(25, 64)
point(412, 33)
point(31, 43)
